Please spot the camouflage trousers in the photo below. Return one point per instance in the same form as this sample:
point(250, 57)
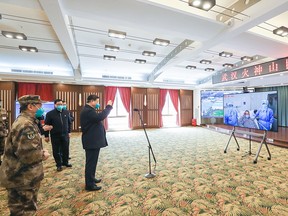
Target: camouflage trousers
point(2, 144)
point(23, 201)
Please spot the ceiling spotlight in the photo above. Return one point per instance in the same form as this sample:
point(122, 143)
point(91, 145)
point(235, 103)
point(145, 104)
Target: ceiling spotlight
point(140, 61)
point(108, 57)
point(148, 53)
point(225, 54)
point(161, 42)
point(228, 65)
point(246, 58)
point(281, 31)
point(190, 67)
point(116, 34)
point(202, 4)
point(112, 48)
point(205, 61)
point(14, 35)
point(209, 69)
point(28, 49)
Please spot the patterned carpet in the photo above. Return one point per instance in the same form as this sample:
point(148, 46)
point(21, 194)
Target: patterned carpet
point(193, 177)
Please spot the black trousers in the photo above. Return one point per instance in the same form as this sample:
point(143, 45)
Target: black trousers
point(60, 149)
point(90, 166)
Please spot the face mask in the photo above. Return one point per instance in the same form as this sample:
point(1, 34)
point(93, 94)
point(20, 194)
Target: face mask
point(64, 107)
point(247, 116)
point(59, 108)
point(39, 112)
point(264, 106)
point(97, 106)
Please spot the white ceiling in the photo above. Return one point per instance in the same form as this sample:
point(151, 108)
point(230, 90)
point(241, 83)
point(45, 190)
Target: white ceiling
point(71, 34)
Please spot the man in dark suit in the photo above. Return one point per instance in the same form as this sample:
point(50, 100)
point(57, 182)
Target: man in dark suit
point(60, 133)
point(93, 137)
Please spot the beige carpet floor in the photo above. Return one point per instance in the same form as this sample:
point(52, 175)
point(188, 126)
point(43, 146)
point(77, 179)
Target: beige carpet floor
point(193, 177)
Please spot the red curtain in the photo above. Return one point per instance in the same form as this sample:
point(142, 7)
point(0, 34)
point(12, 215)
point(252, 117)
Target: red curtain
point(43, 89)
point(109, 94)
point(174, 98)
point(125, 94)
point(163, 93)
point(26, 88)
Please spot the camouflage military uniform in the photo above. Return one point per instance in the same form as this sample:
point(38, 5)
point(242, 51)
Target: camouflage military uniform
point(22, 170)
point(3, 130)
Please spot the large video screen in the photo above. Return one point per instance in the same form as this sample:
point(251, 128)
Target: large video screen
point(212, 103)
point(257, 110)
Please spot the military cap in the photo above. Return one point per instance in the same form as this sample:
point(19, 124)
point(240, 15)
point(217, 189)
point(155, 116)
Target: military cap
point(29, 99)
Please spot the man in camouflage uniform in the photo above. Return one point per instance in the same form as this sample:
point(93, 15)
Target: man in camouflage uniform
point(22, 170)
point(3, 129)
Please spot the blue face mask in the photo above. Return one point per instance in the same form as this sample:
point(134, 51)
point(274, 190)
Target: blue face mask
point(97, 106)
point(59, 108)
point(39, 112)
point(247, 116)
point(64, 107)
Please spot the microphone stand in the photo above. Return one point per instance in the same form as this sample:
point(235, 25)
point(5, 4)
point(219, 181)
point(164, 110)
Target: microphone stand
point(150, 151)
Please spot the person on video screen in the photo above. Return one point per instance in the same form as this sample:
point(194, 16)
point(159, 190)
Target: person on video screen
point(246, 120)
point(265, 116)
point(231, 115)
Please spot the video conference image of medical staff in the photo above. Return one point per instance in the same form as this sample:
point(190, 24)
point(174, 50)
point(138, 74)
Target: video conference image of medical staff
point(257, 110)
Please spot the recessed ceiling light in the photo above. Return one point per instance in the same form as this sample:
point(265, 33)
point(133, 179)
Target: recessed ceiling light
point(190, 67)
point(161, 42)
point(246, 58)
point(202, 4)
point(112, 48)
point(28, 49)
point(148, 53)
point(14, 35)
point(225, 54)
point(108, 57)
point(116, 34)
point(228, 65)
point(205, 61)
point(209, 69)
point(281, 31)
point(140, 61)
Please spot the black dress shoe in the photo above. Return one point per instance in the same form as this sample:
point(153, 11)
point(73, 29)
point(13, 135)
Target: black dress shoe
point(97, 180)
point(59, 169)
point(67, 165)
point(93, 188)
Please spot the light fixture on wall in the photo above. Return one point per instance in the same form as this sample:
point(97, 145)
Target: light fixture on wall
point(140, 61)
point(108, 57)
point(246, 58)
point(209, 69)
point(205, 61)
point(281, 31)
point(161, 42)
point(148, 53)
point(225, 54)
point(228, 65)
point(202, 4)
point(112, 48)
point(14, 35)
point(116, 34)
point(190, 67)
point(28, 49)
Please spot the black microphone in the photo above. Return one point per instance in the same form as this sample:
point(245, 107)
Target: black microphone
point(137, 110)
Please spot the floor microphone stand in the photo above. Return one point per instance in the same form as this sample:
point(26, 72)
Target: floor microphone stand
point(150, 150)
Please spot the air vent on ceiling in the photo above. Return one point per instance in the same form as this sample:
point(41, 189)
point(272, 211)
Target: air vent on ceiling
point(32, 71)
point(116, 77)
point(174, 81)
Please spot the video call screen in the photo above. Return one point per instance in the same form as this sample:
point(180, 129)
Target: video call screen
point(257, 110)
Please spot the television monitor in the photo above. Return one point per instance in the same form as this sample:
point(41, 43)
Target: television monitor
point(46, 106)
point(257, 110)
point(212, 103)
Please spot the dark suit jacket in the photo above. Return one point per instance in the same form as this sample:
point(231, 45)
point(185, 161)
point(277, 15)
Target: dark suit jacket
point(93, 131)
